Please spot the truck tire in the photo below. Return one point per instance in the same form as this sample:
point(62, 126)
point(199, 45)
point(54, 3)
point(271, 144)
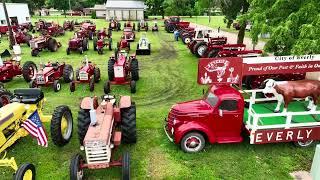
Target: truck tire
point(194, 137)
point(24, 171)
point(29, 71)
point(96, 75)
point(133, 87)
point(76, 173)
point(110, 69)
point(304, 144)
point(52, 45)
point(135, 70)
point(61, 126)
point(83, 124)
point(67, 73)
point(128, 124)
point(213, 53)
point(200, 49)
point(5, 97)
point(126, 166)
point(106, 87)
point(85, 44)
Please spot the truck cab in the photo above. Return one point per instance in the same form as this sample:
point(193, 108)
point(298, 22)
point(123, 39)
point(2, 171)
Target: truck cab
point(216, 118)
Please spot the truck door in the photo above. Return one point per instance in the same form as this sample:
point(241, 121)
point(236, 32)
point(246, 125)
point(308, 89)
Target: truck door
point(228, 121)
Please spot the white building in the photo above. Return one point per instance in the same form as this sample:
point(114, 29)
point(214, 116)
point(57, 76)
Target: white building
point(125, 10)
point(18, 13)
point(100, 10)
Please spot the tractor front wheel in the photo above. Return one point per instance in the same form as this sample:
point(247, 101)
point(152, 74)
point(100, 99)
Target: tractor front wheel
point(111, 63)
point(67, 73)
point(135, 70)
point(68, 51)
point(128, 124)
point(29, 71)
point(76, 172)
point(96, 74)
point(126, 166)
point(133, 87)
point(25, 171)
point(83, 124)
point(61, 125)
point(52, 45)
point(72, 86)
point(5, 97)
point(56, 86)
point(107, 88)
point(91, 84)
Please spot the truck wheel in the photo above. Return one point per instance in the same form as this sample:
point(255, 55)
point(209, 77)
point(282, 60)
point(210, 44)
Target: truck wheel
point(67, 73)
point(213, 53)
point(85, 45)
point(83, 124)
point(76, 172)
point(52, 45)
point(106, 87)
point(192, 142)
point(91, 84)
point(61, 125)
point(5, 97)
point(25, 171)
point(135, 70)
point(128, 124)
point(68, 51)
point(110, 69)
point(133, 87)
point(201, 49)
point(126, 166)
point(304, 144)
point(35, 52)
point(56, 85)
point(29, 71)
point(72, 86)
point(96, 75)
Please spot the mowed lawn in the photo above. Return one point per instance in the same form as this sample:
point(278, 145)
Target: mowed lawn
point(167, 76)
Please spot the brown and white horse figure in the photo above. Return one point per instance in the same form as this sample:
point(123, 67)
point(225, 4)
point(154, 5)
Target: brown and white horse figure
point(285, 91)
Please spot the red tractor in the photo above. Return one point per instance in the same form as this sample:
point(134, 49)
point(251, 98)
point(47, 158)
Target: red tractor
point(210, 49)
point(123, 45)
point(10, 68)
point(143, 25)
point(114, 25)
point(51, 73)
point(53, 30)
point(102, 127)
point(130, 24)
point(195, 43)
point(122, 70)
point(68, 25)
point(22, 37)
point(43, 42)
point(129, 34)
point(78, 43)
point(89, 28)
point(103, 40)
point(5, 96)
point(88, 73)
point(4, 29)
point(173, 23)
point(42, 25)
point(26, 26)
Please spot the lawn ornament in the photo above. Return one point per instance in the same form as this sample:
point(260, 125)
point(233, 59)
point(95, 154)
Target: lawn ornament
point(37, 44)
point(143, 46)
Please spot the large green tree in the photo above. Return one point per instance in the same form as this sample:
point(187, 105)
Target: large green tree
point(180, 7)
point(155, 7)
point(294, 25)
point(33, 4)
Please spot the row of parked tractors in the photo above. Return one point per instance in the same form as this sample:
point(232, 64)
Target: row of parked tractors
point(204, 42)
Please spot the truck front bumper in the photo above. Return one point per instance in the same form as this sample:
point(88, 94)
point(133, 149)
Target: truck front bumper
point(165, 128)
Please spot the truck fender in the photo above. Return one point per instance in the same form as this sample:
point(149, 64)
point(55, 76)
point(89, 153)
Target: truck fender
point(87, 101)
point(125, 102)
point(183, 129)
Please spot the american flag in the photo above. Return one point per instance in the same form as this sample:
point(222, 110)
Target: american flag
point(34, 126)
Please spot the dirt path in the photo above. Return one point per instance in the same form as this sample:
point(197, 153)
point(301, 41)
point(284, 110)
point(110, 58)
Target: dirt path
point(232, 38)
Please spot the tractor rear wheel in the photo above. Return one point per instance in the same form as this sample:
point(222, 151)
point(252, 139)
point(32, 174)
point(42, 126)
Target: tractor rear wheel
point(29, 71)
point(135, 70)
point(67, 73)
point(25, 171)
point(5, 97)
point(76, 172)
point(107, 88)
point(72, 86)
point(52, 45)
point(133, 87)
point(126, 166)
point(56, 86)
point(96, 74)
point(85, 44)
point(111, 63)
point(61, 126)
point(83, 124)
point(128, 124)
point(171, 28)
point(91, 85)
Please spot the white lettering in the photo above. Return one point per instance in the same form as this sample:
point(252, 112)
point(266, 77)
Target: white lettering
point(289, 134)
point(299, 135)
point(269, 136)
point(308, 133)
point(258, 137)
point(278, 137)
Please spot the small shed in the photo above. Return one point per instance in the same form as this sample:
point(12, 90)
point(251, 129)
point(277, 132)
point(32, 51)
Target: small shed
point(125, 10)
point(18, 13)
point(100, 10)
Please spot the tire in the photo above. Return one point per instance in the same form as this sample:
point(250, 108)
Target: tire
point(106, 87)
point(85, 45)
point(97, 75)
point(77, 74)
point(95, 44)
point(67, 73)
point(80, 50)
point(35, 52)
point(24, 170)
point(126, 166)
point(72, 86)
point(196, 46)
point(171, 28)
point(90, 35)
point(27, 67)
point(5, 97)
point(128, 124)
point(52, 45)
point(56, 86)
point(186, 40)
point(197, 137)
point(213, 53)
point(135, 70)
point(110, 69)
point(133, 87)
point(91, 85)
point(68, 51)
point(110, 45)
point(61, 115)
point(76, 173)
point(304, 144)
point(201, 46)
point(83, 124)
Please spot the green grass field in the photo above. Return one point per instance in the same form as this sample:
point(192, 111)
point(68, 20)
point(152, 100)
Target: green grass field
point(167, 76)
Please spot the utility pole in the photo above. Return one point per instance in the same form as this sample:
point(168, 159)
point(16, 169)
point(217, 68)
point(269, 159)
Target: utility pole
point(11, 38)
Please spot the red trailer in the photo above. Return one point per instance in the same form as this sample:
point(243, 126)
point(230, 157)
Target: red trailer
point(222, 116)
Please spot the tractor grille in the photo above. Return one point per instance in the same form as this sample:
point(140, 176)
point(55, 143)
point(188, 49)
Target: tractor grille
point(40, 79)
point(97, 152)
point(83, 76)
point(33, 44)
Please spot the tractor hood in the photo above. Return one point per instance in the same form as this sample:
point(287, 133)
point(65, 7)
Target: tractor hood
point(195, 107)
point(121, 60)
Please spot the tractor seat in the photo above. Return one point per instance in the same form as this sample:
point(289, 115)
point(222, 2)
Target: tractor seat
point(28, 96)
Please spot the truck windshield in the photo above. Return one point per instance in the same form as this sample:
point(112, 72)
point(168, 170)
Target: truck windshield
point(212, 99)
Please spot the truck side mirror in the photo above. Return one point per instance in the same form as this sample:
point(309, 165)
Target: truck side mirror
point(220, 112)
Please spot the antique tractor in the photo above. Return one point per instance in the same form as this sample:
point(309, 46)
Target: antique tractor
point(114, 25)
point(130, 24)
point(143, 46)
point(50, 74)
point(88, 73)
point(22, 37)
point(68, 25)
point(103, 40)
point(43, 42)
point(79, 43)
point(54, 30)
point(212, 48)
point(5, 96)
point(28, 104)
point(123, 45)
point(128, 34)
point(122, 70)
point(143, 25)
point(10, 68)
point(171, 23)
point(196, 43)
point(89, 28)
point(26, 26)
point(102, 127)
point(42, 25)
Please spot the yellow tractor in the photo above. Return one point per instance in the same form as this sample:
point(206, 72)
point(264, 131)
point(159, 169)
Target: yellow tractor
point(13, 116)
